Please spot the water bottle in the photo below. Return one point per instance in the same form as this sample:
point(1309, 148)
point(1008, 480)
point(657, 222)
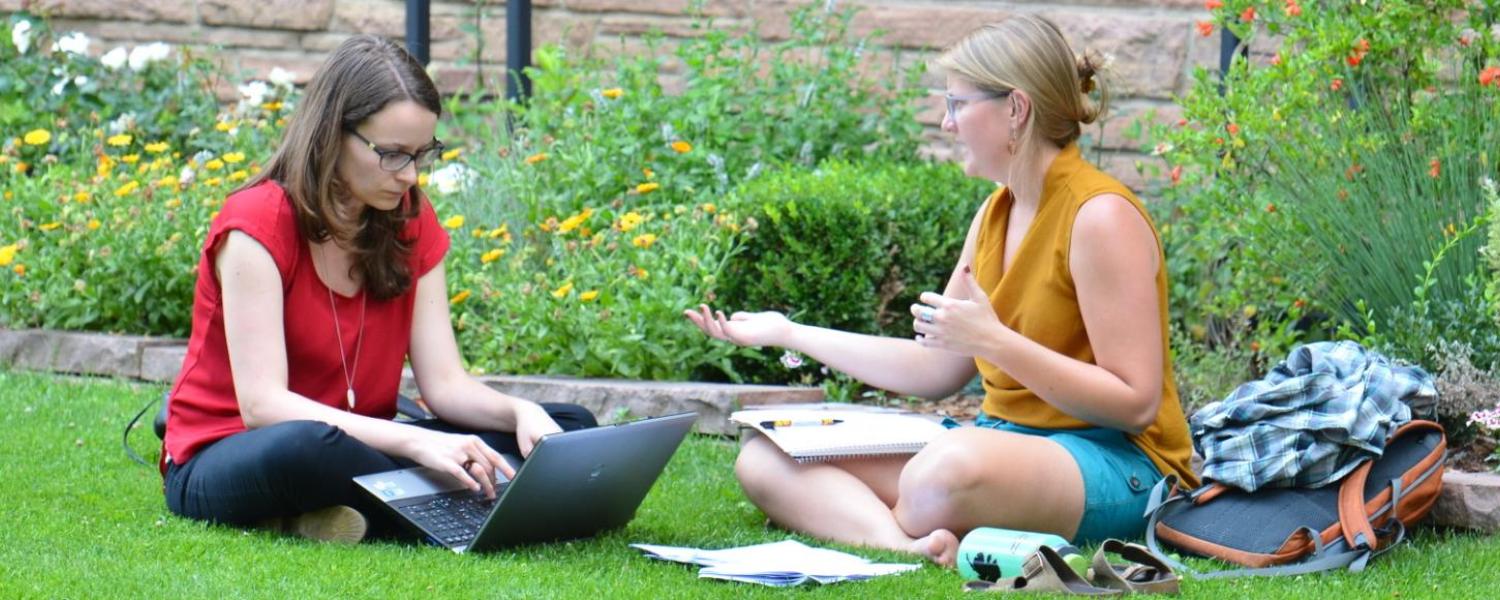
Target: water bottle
point(992, 554)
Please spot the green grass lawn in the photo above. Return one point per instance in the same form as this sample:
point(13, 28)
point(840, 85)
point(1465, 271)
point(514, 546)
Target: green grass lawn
point(82, 521)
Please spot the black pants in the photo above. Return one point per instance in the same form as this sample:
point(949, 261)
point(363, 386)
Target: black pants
point(299, 466)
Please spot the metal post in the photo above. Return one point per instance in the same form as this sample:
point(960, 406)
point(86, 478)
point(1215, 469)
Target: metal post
point(517, 49)
point(418, 32)
point(1228, 42)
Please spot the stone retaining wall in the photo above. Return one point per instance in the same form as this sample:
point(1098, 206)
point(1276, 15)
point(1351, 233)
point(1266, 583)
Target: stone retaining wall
point(1153, 43)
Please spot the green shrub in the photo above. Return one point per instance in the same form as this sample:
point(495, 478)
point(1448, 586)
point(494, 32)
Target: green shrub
point(608, 150)
point(1316, 187)
point(155, 93)
point(848, 246)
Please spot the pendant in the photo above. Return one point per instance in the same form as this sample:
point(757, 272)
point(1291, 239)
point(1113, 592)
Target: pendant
point(349, 395)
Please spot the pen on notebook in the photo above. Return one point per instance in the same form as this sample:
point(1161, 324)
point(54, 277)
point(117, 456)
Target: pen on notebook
point(799, 423)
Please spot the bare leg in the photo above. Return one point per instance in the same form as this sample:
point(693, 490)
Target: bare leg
point(846, 501)
point(965, 479)
point(974, 477)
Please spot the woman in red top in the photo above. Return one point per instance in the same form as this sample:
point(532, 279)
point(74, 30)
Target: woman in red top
point(318, 280)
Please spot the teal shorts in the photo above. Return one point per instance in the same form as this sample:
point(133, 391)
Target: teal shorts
point(1117, 477)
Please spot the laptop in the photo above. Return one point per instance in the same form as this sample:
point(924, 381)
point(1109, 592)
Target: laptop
point(575, 484)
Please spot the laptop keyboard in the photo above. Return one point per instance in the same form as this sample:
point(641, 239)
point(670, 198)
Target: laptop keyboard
point(452, 518)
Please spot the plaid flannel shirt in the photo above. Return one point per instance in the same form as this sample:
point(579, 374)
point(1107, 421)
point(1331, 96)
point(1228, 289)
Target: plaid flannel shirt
point(1310, 421)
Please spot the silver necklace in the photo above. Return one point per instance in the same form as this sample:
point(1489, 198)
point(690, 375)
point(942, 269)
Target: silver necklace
point(359, 339)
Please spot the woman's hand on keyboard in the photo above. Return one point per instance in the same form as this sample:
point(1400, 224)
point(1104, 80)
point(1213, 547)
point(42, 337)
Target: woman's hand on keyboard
point(465, 457)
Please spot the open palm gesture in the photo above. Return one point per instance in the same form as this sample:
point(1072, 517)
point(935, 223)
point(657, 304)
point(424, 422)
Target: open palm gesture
point(742, 328)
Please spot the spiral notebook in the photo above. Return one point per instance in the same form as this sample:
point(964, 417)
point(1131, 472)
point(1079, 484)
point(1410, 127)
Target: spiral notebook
point(818, 435)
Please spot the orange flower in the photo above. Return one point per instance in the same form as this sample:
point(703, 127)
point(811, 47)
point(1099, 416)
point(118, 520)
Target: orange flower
point(536, 158)
point(1205, 28)
point(1337, 85)
point(1271, 207)
point(681, 147)
point(1276, 59)
point(1489, 76)
point(1354, 59)
point(1213, 4)
point(1176, 174)
point(1232, 129)
point(1292, 8)
point(1434, 168)
point(1248, 15)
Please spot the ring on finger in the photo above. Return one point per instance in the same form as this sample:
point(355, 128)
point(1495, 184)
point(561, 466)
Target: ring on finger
point(926, 314)
point(468, 463)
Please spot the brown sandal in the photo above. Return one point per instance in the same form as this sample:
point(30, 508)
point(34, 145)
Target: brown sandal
point(1143, 574)
point(1045, 572)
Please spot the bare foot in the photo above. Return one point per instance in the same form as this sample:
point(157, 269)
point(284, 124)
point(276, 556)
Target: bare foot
point(940, 546)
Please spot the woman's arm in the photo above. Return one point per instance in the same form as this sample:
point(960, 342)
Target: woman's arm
point(1114, 261)
point(452, 394)
point(250, 286)
point(899, 365)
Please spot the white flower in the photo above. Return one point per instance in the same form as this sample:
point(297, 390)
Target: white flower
point(20, 35)
point(114, 59)
point(80, 81)
point(57, 88)
point(281, 77)
point(255, 92)
point(791, 360)
point(73, 43)
point(140, 56)
point(452, 178)
point(1162, 149)
point(122, 124)
point(187, 175)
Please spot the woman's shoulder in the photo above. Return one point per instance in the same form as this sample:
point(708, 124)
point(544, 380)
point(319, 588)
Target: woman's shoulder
point(266, 200)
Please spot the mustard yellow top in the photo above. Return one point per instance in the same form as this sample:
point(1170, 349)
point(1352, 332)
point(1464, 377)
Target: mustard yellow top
point(1037, 298)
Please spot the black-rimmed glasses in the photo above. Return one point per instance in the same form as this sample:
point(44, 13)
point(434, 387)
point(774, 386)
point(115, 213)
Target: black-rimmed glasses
point(956, 103)
point(395, 160)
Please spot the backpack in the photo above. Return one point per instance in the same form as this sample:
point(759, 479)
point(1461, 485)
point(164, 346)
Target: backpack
point(1287, 531)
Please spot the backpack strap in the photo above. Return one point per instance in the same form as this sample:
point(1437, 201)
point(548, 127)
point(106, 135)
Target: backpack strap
point(1354, 521)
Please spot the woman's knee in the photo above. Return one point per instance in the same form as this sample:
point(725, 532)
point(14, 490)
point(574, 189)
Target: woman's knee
point(570, 416)
point(937, 478)
point(759, 464)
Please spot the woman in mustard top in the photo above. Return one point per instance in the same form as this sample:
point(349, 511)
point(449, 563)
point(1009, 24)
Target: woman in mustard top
point(1058, 301)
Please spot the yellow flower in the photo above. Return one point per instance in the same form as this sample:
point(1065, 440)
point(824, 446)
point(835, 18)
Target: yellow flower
point(499, 231)
point(169, 181)
point(459, 298)
point(648, 172)
point(9, 195)
point(536, 158)
point(8, 253)
point(125, 190)
point(563, 291)
point(574, 221)
point(37, 137)
point(174, 203)
point(93, 224)
point(239, 175)
point(20, 270)
point(492, 256)
point(612, 93)
point(588, 296)
point(20, 167)
point(130, 159)
point(223, 126)
point(454, 222)
point(272, 106)
point(50, 226)
point(630, 221)
point(682, 147)
point(106, 164)
point(157, 147)
point(214, 165)
point(709, 207)
point(644, 240)
point(477, 232)
point(212, 181)
point(422, 180)
point(642, 273)
point(122, 139)
point(647, 187)
point(234, 157)
point(452, 154)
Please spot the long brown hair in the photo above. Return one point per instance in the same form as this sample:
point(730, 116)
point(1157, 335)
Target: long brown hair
point(362, 76)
